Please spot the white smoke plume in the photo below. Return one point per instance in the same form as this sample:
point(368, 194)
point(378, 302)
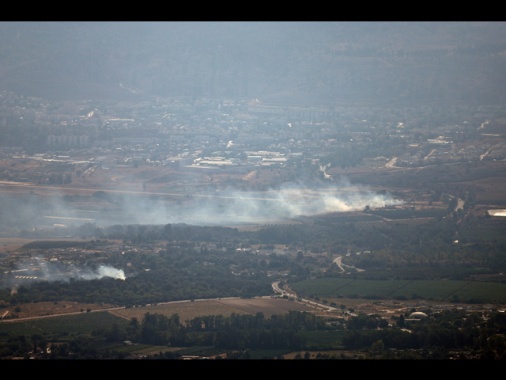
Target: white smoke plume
point(40, 269)
point(212, 207)
point(233, 206)
point(103, 271)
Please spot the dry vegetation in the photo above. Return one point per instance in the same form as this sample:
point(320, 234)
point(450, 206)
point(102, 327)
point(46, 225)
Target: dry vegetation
point(43, 309)
point(12, 244)
point(224, 306)
point(191, 309)
point(185, 309)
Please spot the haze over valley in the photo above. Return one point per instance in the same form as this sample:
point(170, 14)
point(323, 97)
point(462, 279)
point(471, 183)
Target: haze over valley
point(293, 165)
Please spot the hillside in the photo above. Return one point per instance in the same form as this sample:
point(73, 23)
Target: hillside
point(317, 63)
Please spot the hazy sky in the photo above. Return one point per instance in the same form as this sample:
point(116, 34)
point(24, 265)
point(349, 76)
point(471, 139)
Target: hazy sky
point(315, 62)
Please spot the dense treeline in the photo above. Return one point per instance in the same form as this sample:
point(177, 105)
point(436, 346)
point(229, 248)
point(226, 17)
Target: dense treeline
point(189, 273)
point(234, 332)
point(478, 334)
point(451, 333)
point(192, 262)
point(448, 334)
point(439, 243)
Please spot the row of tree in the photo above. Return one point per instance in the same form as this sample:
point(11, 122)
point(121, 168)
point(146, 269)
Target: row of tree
point(449, 334)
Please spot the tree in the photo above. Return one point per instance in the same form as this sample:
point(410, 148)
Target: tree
point(378, 347)
point(401, 322)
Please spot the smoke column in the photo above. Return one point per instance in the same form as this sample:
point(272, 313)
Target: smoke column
point(39, 269)
point(233, 206)
point(212, 207)
point(103, 271)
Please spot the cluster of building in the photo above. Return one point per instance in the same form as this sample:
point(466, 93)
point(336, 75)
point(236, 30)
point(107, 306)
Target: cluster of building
point(221, 133)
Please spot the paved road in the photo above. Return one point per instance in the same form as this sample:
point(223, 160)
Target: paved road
point(290, 293)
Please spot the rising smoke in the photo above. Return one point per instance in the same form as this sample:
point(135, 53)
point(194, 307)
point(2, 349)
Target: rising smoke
point(100, 272)
point(217, 207)
point(225, 207)
point(233, 207)
point(40, 269)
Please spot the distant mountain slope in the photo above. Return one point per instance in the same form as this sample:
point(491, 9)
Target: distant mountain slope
point(299, 62)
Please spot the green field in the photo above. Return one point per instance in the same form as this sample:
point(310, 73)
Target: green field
point(324, 339)
point(62, 325)
point(444, 290)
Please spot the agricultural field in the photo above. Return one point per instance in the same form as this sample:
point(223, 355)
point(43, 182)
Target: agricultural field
point(385, 298)
point(44, 309)
point(437, 290)
point(185, 309)
point(226, 306)
point(63, 325)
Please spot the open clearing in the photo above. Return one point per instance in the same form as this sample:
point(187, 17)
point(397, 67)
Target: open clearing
point(185, 309)
point(225, 306)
